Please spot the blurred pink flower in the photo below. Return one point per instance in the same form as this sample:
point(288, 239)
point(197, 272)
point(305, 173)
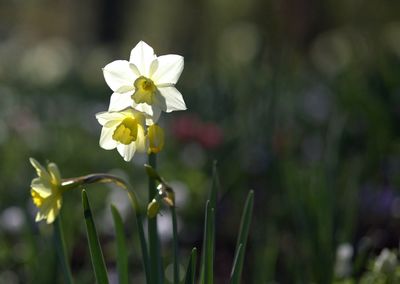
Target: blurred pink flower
point(189, 128)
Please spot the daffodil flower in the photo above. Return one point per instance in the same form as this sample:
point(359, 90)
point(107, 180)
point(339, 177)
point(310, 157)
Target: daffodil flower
point(124, 130)
point(46, 191)
point(145, 82)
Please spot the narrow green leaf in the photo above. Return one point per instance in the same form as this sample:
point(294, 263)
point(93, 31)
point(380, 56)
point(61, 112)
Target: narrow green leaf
point(235, 273)
point(215, 187)
point(96, 254)
point(243, 234)
point(142, 238)
point(122, 256)
point(191, 268)
point(61, 250)
point(207, 261)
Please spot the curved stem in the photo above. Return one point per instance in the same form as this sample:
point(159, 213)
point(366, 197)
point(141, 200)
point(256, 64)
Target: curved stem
point(72, 183)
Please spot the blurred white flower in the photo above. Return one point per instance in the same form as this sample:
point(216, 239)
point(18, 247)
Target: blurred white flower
point(48, 62)
point(386, 262)
point(145, 82)
point(12, 219)
point(344, 253)
point(124, 130)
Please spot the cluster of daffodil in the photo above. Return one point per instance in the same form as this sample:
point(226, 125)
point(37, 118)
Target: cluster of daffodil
point(142, 88)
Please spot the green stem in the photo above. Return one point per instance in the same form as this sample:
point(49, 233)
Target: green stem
point(175, 244)
point(61, 250)
point(154, 243)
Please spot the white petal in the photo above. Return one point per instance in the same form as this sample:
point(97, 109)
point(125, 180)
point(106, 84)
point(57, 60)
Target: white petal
point(142, 55)
point(155, 117)
point(105, 116)
point(106, 141)
point(42, 187)
point(119, 74)
point(126, 151)
point(173, 99)
point(40, 170)
point(54, 172)
point(168, 69)
point(120, 101)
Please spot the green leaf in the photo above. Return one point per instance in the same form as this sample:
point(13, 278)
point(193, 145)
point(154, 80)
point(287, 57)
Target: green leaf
point(207, 261)
point(61, 250)
point(215, 187)
point(142, 238)
point(242, 238)
point(122, 257)
point(94, 244)
point(235, 273)
point(191, 268)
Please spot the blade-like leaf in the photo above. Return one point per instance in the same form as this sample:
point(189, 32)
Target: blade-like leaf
point(142, 238)
point(61, 250)
point(207, 261)
point(242, 238)
point(235, 274)
point(96, 254)
point(215, 187)
point(122, 257)
point(191, 268)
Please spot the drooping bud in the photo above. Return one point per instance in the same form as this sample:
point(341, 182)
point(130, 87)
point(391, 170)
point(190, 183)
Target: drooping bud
point(153, 208)
point(156, 138)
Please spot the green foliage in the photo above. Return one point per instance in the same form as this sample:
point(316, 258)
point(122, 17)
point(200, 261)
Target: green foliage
point(96, 254)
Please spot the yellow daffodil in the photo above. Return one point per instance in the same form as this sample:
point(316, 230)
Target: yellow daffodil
point(155, 136)
point(124, 130)
point(145, 82)
point(46, 191)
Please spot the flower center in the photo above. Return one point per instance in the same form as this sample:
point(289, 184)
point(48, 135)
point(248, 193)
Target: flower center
point(145, 90)
point(126, 131)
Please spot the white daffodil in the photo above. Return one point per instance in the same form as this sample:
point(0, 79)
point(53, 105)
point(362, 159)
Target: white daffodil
point(145, 82)
point(123, 130)
point(46, 191)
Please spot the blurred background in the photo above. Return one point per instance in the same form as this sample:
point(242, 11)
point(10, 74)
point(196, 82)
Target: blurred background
point(296, 99)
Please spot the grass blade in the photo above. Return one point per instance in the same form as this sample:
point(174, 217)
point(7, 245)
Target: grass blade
point(214, 187)
point(235, 273)
point(207, 261)
point(122, 257)
point(61, 250)
point(96, 254)
point(242, 238)
point(142, 238)
point(191, 268)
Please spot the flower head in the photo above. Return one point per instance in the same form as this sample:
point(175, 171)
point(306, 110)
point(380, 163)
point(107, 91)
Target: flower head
point(124, 130)
point(145, 82)
point(46, 191)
